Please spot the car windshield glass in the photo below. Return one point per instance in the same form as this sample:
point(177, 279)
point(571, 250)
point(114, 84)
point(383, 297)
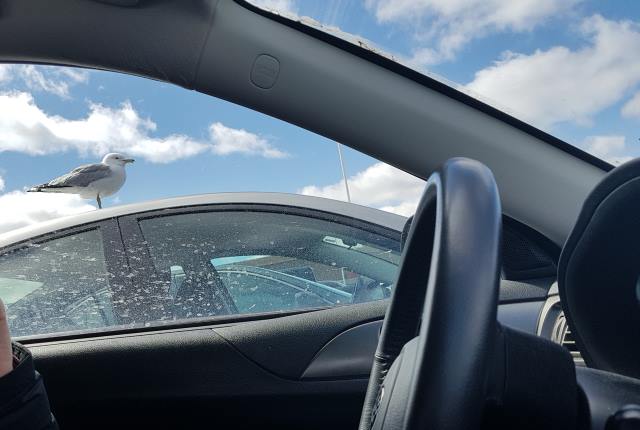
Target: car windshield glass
point(570, 68)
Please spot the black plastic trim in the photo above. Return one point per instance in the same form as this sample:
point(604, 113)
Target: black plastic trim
point(432, 84)
point(605, 393)
point(537, 238)
point(209, 322)
point(348, 355)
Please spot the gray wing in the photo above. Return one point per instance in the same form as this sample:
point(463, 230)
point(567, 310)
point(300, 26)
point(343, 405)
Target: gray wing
point(82, 176)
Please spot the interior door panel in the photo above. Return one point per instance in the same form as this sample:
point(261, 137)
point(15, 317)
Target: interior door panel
point(286, 346)
point(232, 376)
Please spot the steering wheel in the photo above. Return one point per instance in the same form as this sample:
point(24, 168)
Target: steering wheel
point(432, 361)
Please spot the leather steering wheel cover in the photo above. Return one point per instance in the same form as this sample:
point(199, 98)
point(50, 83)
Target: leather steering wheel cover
point(449, 278)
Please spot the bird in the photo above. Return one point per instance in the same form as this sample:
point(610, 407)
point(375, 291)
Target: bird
point(90, 181)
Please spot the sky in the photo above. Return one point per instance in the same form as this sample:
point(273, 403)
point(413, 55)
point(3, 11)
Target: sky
point(570, 67)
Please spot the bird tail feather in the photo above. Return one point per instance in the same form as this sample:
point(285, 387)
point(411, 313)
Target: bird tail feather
point(46, 188)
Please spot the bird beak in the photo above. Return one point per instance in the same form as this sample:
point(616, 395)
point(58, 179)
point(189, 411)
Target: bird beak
point(128, 160)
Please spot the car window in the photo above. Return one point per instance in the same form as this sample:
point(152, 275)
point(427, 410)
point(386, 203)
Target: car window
point(228, 262)
point(264, 291)
point(57, 286)
point(317, 283)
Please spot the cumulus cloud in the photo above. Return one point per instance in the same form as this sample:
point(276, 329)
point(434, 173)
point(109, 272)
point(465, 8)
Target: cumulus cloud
point(5, 73)
point(228, 140)
point(26, 128)
point(20, 209)
point(610, 148)
point(406, 208)
point(380, 185)
point(49, 79)
point(444, 27)
point(631, 109)
point(560, 84)
point(2, 183)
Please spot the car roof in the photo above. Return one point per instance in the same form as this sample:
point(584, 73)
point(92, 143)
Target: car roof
point(367, 214)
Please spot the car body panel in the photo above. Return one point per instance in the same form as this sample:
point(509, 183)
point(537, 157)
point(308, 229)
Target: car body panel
point(367, 214)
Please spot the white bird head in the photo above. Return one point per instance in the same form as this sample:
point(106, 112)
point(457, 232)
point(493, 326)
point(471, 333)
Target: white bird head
point(115, 159)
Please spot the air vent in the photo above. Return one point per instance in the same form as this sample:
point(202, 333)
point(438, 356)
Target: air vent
point(562, 334)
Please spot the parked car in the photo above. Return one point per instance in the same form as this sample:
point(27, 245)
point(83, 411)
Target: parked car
point(195, 257)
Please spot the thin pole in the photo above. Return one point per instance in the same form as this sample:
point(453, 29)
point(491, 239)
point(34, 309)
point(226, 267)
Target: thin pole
point(344, 174)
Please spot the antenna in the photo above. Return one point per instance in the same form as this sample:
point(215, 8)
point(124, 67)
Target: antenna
point(344, 174)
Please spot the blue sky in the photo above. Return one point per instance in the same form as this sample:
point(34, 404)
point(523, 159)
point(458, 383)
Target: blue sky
point(569, 67)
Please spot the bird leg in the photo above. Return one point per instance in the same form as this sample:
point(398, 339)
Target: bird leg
point(99, 201)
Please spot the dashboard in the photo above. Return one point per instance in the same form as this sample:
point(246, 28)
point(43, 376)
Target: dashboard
point(530, 306)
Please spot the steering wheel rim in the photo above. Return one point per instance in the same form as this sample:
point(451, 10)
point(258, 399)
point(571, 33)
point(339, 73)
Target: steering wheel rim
point(440, 327)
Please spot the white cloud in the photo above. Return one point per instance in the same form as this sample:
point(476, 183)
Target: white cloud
point(631, 109)
point(446, 26)
point(228, 140)
point(406, 208)
point(610, 148)
point(380, 185)
point(50, 79)
point(5, 73)
point(2, 184)
point(26, 128)
point(20, 209)
point(560, 84)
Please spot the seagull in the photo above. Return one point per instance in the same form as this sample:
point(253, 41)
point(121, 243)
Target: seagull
point(90, 181)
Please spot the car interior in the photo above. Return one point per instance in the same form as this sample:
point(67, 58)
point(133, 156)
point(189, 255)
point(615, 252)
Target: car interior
point(516, 294)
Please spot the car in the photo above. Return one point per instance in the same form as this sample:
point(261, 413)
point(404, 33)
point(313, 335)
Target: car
point(312, 253)
point(505, 298)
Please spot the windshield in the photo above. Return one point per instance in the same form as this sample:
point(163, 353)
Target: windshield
point(570, 68)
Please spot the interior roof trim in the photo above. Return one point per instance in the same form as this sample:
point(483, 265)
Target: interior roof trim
point(432, 84)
